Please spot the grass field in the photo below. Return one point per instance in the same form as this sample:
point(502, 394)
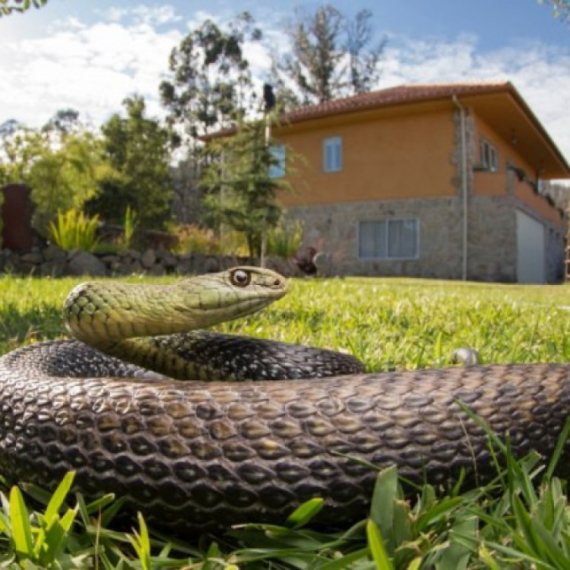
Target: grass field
point(389, 324)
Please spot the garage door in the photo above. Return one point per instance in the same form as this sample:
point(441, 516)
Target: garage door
point(530, 250)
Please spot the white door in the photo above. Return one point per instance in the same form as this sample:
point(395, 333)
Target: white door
point(530, 250)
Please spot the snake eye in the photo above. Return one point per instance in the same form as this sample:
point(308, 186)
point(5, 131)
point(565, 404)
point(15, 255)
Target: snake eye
point(240, 278)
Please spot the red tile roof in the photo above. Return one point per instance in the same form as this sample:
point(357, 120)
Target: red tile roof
point(383, 98)
point(394, 96)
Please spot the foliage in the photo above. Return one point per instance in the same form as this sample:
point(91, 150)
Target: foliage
point(285, 240)
point(8, 7)
point(1, 215)
point(64, 178)
point(560, 8)
point(331, 56)
point(63, 122)
point(210, 83)
point(137, 151)
point(520, 520)
point(196, 239)
point(74, 230)
point(20, 147)
point(240, 192)
point(61, 167)
point(129, 227)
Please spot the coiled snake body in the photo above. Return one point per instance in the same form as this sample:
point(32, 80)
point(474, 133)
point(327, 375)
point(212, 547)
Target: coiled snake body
point(199, 455)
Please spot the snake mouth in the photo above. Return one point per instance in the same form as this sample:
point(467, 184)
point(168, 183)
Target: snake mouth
point(244, 307)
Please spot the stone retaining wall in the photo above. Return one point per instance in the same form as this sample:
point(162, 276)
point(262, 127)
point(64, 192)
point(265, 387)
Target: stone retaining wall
point(55, 262)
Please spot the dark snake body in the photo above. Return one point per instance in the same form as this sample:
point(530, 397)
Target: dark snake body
point(197, 456)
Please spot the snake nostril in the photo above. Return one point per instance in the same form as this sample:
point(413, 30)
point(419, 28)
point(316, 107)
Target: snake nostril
point(277, 282)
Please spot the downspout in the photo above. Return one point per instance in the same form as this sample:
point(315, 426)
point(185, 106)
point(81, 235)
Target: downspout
point(464, 186)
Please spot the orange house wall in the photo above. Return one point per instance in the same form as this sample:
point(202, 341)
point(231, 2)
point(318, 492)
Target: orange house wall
point(490, 183)
point(497, 183)
point(386, 157)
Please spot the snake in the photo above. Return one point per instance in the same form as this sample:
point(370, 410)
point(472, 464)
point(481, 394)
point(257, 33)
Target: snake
point(201, 431)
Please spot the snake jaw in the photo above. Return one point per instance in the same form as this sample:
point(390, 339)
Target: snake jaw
point(226, 296)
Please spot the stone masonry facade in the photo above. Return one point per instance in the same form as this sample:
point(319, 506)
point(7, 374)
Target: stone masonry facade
point(492, 239)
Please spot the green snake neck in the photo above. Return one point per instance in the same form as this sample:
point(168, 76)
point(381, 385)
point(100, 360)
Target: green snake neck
point(122, 319)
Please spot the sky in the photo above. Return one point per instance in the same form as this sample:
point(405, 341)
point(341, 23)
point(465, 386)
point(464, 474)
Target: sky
point(89, 55)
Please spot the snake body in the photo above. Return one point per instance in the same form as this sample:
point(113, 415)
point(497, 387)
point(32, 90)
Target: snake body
point(206, 455)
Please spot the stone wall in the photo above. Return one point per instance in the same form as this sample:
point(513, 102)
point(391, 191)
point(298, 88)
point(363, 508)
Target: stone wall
point(334, 228)
point(55, 262)
point(492, 237)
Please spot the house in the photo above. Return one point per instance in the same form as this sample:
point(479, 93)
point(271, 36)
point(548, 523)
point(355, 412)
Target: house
point(440, 181)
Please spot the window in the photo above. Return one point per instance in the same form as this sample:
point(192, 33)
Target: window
point(332, 154)
point(488, 156)
point(277, 169)
point(388, 239)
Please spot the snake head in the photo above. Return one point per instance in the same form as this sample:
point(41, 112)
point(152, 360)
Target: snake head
point(100, 313)
point(235, 293)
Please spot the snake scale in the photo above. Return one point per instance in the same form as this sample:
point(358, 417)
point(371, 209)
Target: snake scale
point(206, 455)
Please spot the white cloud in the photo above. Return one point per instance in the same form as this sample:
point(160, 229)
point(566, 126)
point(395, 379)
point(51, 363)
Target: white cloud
point(541, 73)
point(88, 68)
point(92, 68)
point(141, 14)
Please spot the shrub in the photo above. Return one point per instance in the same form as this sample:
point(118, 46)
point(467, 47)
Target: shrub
point(129, 226)
point(1, 216)
point(195, 239)
point(285, 240)
point(74, 230)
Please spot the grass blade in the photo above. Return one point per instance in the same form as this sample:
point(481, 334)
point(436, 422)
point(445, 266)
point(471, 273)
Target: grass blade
point(20, 522)
point(376, 544)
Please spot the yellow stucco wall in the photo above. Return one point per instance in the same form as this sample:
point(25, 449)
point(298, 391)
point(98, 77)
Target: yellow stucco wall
point(384, 157)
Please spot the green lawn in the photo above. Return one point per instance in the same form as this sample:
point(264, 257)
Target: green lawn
point(388, 324)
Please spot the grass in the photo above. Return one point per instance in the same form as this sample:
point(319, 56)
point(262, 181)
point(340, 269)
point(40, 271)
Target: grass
point(521, 520)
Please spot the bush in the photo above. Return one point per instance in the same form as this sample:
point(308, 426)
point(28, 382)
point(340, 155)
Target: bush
point(195, 239)
point(74, 230)
point(285, 240)
point(1, 215)
point(129, 226)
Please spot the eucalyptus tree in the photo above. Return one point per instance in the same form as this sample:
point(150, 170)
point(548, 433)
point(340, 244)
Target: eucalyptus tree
point(330, 55)
point(210, 84)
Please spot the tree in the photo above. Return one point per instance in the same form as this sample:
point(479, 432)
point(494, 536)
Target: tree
point(240, 190)
point(560, 8)
point(63, 122)
point(62, 172)
point(8, 7)
point(211, 83)
point(138, 154)
point(64, 177)
point(331, 56)
point(20, 147)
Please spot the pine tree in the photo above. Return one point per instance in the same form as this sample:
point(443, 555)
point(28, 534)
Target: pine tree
point(240, 191)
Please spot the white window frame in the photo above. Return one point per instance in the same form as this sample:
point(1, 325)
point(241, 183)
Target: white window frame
point(488, 156)
point(387, 222)
point(332, 142)
point(279, 152)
